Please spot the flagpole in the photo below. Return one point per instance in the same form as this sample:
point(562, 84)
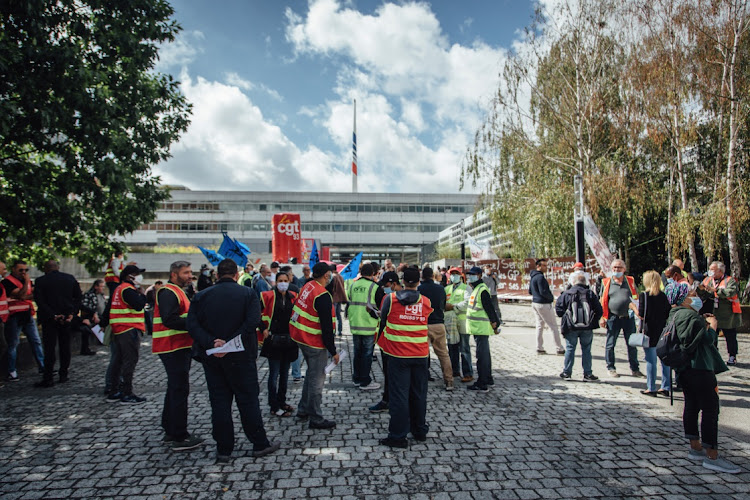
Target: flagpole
point(354, 150)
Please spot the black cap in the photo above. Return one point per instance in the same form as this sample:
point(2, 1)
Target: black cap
point(131, 270)
point(411, 275)
point(475, 270)
point(320, 269)
point(388, 277)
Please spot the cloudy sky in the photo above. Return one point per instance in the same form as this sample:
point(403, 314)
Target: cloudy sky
point(272, 85)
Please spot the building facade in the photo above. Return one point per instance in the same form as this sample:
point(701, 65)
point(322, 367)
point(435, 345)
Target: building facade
point(381, 225)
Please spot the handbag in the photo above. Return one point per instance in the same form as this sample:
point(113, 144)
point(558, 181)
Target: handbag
point(281, 341)
point(640, 339)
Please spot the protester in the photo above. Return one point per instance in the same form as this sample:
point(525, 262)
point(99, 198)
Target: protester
point(204, 278)
point(112, 273)
point(338, 292)
point(306, 275)
point(173, 344)
point(617, 294)
point(541, 304)
point(578, 268)
point(274, 271)
point(726, 305)
point(148, 310)
point(287, 270)
point(278, 347)
point(457, 300)
point(365, 297)
point(93, 304)
point(18, 289)
point(580, 311)
point(481, 322)
point(4, 313)
point(261, 281)
point(436, 324)
point(128, 324)
point(390, 284)
point(217, 315)
point(698, 339)
point(313, 326)
point(489, 276)
point(58, 297)
point(247, 274)
point(403, 337)
point(653, 310)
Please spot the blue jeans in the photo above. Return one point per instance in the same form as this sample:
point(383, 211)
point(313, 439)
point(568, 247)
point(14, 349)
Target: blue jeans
point(363, 346)
point(571, 341)
point(277, 370)
point(407, 380)
point(13, 329)
point(651, 371)
point(311, 401)
point(484, 360)
point(465, 350)
point(614, 326)
point(296, 367)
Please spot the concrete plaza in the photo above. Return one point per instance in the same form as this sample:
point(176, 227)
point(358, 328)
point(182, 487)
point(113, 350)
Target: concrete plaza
point(532, 436)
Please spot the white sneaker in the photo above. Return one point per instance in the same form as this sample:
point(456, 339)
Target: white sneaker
point(721, 465)
point(372, 386)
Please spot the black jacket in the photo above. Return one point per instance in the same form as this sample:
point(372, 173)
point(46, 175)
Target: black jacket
point(656, 309)
point(436, 294)
point(57, 293)
point(224, 311)
point(564, 300)
point(539, 288)
point(169, 309)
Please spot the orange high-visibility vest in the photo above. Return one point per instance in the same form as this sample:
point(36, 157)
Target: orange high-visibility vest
point(4, 312)
point(734, 300)
point(164, 338)
point(304, 326)
point(16, 306)
point(605, 293)
point(121, 316)
point(109, 273)
point(405, 334)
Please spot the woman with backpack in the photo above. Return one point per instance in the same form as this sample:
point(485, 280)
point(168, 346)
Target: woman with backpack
point(653, 310)
point(697, 336)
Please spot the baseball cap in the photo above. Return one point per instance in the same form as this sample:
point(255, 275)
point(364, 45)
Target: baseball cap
point(131, 270)
point(411, 275)
point(578, 265)
point(455, 270)
point(320, 269)
point(475, 270)
point(388, 277)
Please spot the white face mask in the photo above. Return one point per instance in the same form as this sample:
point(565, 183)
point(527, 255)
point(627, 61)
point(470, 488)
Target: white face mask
point(711, 274)
point(137, 280)
point(283, 286)
point(273, 276)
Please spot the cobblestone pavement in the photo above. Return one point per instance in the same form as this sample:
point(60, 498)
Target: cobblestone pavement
point(532, 436)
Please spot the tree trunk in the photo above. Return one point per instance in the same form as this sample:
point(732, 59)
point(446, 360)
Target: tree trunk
point(734, 255)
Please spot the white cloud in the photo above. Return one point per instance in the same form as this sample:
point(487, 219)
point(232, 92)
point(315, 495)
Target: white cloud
point(181, 52)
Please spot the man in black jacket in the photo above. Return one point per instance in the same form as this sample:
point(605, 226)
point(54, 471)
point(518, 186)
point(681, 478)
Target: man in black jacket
point(58, 297)
point(217, 315)
point(541, 304)
point(587, 304)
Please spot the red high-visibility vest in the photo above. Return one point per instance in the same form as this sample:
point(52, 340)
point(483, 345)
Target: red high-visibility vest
point(606, 282)
point(4, 312)
point(16, 306)
point(268, 304)
point(304, 326)
point(109, 273)
point(734, 300)
point(164, 338)
point(121, 316)
point(405, 334)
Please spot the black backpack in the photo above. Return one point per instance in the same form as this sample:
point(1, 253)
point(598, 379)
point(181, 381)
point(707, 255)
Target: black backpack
point(579, 313)
point(669, 349)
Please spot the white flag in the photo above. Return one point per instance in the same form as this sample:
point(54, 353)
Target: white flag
point(480, 251)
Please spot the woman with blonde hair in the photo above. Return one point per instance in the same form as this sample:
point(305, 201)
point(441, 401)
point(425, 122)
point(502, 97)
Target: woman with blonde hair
point(653, 310)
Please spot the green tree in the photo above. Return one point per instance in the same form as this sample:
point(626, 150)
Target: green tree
point(83, 118)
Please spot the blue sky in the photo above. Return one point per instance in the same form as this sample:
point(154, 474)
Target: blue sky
point(272, 85)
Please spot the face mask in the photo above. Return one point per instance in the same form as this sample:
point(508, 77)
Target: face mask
point(455, 278)
point(283, 286)
point(696, 303)
point(273, 276)
point(206, 272)
point(618, 274)
point(486, 273)
point(330, 278)
point(388, 290)
point(473, 278)
point(137, 280)
point(711, 274)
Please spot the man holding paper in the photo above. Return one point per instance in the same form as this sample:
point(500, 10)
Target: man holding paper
point(217, 316)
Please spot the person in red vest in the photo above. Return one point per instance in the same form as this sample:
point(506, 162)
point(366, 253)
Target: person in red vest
point(4, 313)
point(312, 326)
point(402, 335)
point(128, 325)
point(724, 289)
point(173, 344)
point(21, 317)
point(112, 274)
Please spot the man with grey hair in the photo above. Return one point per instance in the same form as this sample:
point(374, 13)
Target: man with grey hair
point(588, 310)
point(618, 293)
point(724, 290)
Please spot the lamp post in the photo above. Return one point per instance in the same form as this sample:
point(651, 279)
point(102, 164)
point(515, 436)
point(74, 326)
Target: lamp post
point(578, 213)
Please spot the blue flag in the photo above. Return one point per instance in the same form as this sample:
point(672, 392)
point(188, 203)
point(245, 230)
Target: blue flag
point(213, 257)
point(352, 268)
point(243, 248)
point(230, 250)
point(314, 258)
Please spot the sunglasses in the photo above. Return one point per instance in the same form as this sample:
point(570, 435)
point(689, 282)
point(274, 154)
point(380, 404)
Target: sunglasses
point(23, 270)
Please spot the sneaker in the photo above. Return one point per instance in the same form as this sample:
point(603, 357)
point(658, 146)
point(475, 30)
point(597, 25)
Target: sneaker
point(475, 387)
point(13, 377)
point(298, 380)
point(613, 374)
point(637, 373)
point(467, 379)
point(115, 397)
point(448, 387)
point(395, 443)
point(132, 399)
point(381, 407)
point(590, 378)
point(561, 352)
point(541, 351)
point(223, 459)
point(565, 376)
point(323, 424)
point(721, 465)
point(372, 386)
point(188, 443)
point(697, 454)
point(167, 438)
point(267, 450)
point(732, 361)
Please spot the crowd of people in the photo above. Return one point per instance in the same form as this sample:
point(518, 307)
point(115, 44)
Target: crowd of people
point(236, 315)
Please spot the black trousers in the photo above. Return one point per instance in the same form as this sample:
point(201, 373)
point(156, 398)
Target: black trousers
point(407, 378)
point(730, 334)
point(126, 357)
point(700, 390)
point(234, 379)
point(175, 412)
point(54, 333)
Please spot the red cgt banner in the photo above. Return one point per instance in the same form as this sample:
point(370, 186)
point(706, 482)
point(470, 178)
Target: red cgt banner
point(286, 238)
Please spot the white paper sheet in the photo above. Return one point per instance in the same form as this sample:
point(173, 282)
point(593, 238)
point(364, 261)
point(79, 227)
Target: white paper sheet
point(99, 333)
point(332, 365)
point(234, 345)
